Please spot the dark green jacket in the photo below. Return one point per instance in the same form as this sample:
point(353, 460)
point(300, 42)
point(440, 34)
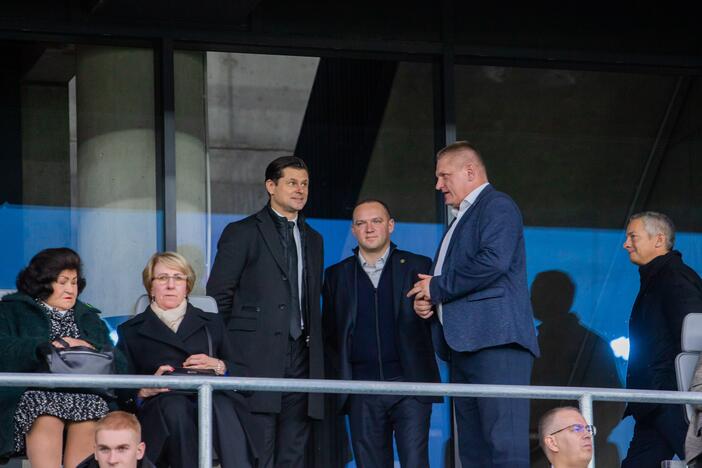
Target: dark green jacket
point(24, 334)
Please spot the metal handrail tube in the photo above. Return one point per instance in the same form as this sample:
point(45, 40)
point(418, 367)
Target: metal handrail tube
point(206, 385)
point(346, 386)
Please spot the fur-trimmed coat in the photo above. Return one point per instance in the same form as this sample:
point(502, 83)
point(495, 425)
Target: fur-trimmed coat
point(24, 341)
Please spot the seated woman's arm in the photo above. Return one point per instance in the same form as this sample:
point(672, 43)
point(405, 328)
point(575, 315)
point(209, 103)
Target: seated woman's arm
point(131, 398)
point(19, 353)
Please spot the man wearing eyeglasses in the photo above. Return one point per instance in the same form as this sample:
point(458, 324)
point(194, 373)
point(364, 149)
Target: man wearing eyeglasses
point(566, 438)
point(267, 279)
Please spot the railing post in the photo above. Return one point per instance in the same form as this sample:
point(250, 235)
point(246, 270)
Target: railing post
point(204, 413)
point(586, 410)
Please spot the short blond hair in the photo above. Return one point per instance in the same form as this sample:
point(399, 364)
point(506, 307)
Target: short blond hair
point(457, 147)
point(171, 260)
point(117, 421)
point(547, 420)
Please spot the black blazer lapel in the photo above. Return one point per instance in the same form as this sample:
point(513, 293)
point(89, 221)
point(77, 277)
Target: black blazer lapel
point(154, 329)
point(398, 275)
point(349, 273)
point(271, 239)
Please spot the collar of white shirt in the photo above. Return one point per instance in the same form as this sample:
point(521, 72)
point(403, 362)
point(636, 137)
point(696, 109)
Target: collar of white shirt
point(468, 201)
point(283, 216)
point(379, 263)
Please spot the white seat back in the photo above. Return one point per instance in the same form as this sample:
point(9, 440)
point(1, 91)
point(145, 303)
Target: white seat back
point(691, 339)
point(206, 303)
point(686, 362)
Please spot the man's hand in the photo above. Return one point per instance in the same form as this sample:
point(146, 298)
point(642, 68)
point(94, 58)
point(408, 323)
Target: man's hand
point(421, 288)
point(423, 308)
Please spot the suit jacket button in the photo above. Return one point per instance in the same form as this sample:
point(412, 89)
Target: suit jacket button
point(282, 306)
point(285, 278)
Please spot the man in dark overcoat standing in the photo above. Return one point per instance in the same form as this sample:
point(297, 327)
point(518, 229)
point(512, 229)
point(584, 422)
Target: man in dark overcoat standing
point(669, 291)
point(266, 279)
point(371, 332)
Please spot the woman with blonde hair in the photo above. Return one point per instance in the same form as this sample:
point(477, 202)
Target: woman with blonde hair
point(173, 336)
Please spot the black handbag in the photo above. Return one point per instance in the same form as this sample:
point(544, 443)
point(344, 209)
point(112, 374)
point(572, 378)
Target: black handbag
point(80, 360)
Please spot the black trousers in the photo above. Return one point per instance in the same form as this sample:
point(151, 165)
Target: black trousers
point(657, 437)
point(285, 434)
point(374, 418)
point(169, 429)
point(493, 432)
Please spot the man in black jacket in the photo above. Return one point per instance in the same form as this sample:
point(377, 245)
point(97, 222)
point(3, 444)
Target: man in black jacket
point(266, 279)
point(669, 291)
point(372, 333)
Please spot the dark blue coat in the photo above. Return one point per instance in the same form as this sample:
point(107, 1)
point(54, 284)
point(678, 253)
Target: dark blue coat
point(483, 285)
point(413, 335)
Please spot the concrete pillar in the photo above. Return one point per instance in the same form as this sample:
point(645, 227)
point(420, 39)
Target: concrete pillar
point(117, 222)
point(191, 162)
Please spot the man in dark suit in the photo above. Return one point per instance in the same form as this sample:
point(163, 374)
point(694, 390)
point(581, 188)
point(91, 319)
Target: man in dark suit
point(478, 293)
point(669, 291)
point(372, 333)
point(266, 279)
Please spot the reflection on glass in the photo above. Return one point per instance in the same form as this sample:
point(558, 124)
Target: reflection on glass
point(364, 127)
point(83, 133)
point(570, 147)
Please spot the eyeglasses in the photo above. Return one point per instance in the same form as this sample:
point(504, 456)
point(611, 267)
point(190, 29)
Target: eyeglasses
point(579, 428)
point(163, 279)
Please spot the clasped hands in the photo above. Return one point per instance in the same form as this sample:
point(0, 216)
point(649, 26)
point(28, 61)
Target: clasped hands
point(196, 361)
point(422, 297)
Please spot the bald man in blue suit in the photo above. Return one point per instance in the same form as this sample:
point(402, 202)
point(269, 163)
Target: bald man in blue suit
point(478, 296)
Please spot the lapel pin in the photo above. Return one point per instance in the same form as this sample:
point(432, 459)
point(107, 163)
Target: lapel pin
point(402, 260)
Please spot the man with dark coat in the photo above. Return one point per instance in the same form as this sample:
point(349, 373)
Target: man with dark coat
point(669, 291)
point(372, 333)
point(266, 279)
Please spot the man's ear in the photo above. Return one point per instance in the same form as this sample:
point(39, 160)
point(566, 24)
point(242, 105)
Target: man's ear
point(551, 444)
point(660, 240)
point(141, 448)
point(470, 171)
point(270, 184)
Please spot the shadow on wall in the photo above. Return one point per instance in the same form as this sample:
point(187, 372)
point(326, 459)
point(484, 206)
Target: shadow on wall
point(571, 355)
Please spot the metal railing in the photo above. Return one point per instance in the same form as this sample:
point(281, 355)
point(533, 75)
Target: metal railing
point(206, 385)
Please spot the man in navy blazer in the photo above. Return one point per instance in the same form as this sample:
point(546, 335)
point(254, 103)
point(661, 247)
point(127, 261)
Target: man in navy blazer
point(478, 294)
point(371, 332)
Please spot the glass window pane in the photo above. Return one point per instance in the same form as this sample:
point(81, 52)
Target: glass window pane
point(570, 147)
point(79, 125)
point(364, 127)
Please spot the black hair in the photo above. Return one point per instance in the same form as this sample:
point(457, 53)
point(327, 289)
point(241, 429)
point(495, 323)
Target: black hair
point(44, 268)
point(374, 200)
point(274, 171)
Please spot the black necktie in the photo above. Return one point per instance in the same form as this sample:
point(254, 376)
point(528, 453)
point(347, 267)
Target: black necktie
point(295, 329)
